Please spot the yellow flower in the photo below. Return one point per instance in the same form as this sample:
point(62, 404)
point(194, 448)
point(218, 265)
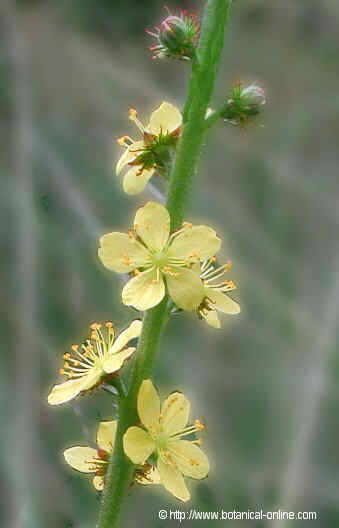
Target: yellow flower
point(151, 153)
point(95, 461)
point(216, 289)
point(95, 361)
point(164, 428)
point(158, 259)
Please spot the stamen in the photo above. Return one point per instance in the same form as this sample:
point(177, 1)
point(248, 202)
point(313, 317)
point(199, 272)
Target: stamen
point(185, 225)
point(169, 271)
point(212, 273)
point(198, 426)
point(125, 141)
point(133, 116)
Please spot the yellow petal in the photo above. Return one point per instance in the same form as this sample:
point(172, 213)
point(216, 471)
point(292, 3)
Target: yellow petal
point(68, 390)
point(106, 435)
point(190, 459)
point(131, 332)
point(148, 405)
point(222, 302)
point(136, 181)
point(195, 243)
point(151, 477)
point(143, 291)
point(63, 392)
point(152, 224)
point(166, 119)
point(121, 253)
point(116, 361)
point(92, 378)
point(185, 288)
point(81, 458)
point(173, 481)
point(129, 155)
point(211, 317)
point(175, 412)
point(98, 483)
point(138, 445)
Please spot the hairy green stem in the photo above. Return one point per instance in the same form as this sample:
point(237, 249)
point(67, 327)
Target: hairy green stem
point(204, 69)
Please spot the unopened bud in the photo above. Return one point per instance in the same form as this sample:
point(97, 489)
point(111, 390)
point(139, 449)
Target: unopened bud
point(176, 37)
point(253, 94)
point(244, 103)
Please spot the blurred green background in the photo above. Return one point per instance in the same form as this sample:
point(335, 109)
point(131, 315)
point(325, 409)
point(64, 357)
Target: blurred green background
point(267, 384)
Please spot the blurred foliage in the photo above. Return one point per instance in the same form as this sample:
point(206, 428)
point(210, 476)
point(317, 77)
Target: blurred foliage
point(267, 384)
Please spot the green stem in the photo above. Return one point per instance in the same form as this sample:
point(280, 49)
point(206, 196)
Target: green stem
point(204, 69)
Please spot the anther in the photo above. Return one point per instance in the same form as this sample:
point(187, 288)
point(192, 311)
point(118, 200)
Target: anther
point(199, 425)
point(122, 141)
point(132, 114)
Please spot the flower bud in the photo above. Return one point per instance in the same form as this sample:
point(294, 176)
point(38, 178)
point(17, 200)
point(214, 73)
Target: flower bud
point(244, 103)
point(176, 37)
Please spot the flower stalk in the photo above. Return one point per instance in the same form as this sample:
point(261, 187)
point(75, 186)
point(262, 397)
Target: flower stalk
point(204, 69)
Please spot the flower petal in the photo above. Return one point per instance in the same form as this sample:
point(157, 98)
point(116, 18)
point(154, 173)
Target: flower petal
point(175, 412)
point(116, 361)
point(186, 289)
point(173, 481)
point(166, 119)
point(222, 302)
point(99, 482)
point(138, 445)
point(119, 252)
point(91, 378)
point(152, 224)
point(132, 152)
point(144, 291)
point(190, 459)
point(152, 476)
point(149, 405)
point(81, 458)
point(131, 332)
point(64, 392)
point(211, 317)
point(195, 243)
point(106, 435)
point(136, 181)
